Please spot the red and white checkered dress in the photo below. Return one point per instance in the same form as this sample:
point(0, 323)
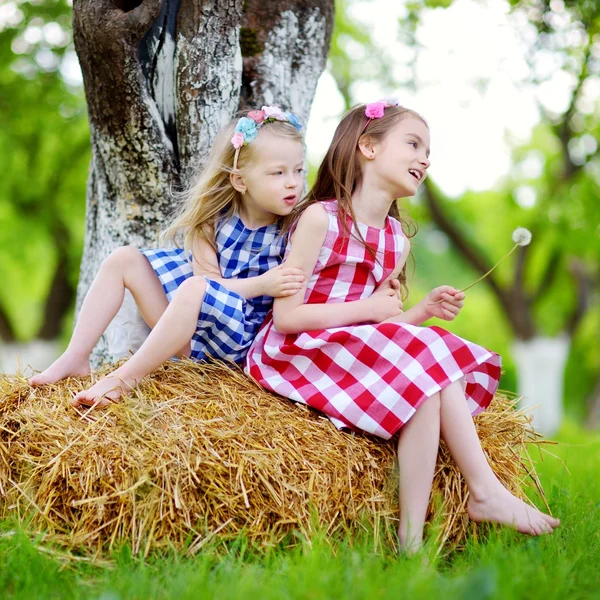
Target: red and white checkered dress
point(371, 377)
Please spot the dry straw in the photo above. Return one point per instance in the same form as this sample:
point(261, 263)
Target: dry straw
point(200, 453)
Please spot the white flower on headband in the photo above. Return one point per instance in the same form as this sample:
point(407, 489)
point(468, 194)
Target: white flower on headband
point(274, 112)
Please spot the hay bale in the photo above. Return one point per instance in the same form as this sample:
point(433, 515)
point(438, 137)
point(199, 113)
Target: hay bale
point(199, 450)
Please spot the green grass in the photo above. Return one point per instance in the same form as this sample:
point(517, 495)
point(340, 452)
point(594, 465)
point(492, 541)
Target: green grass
point(565, 565)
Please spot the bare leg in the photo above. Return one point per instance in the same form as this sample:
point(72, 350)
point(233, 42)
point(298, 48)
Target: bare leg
point(127, 268)
point(417, 454)
point(174, 329)
point(489, 500)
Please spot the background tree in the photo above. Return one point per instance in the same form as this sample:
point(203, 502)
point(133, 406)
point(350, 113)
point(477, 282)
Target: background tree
point(553, 191)
point(161, 78)
point(42, 112)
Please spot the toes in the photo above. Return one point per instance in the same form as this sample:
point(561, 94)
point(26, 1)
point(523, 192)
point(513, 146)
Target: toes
point(542, 525)
point(552, 521)
point(105, 401)
point(549, 520)
point(536, 530)
point(529, 529)
point(89, 400)
point(80, 399)
point(545, 527)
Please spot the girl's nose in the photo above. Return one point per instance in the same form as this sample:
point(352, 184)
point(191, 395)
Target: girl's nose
point(425, 162)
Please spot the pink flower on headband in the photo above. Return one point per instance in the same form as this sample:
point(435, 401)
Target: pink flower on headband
point(258, 116)
point(273, 112)
point(237, 140)
point(375, 109)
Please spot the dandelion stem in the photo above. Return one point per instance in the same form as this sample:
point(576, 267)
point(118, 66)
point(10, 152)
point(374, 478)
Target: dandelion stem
point(496, 265)
point(485, 274)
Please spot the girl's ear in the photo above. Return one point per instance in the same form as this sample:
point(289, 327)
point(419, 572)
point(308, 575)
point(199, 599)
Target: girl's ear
point(237, 182)
point(366, 145)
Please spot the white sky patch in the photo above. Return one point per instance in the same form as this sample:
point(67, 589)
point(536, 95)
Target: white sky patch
point(33, 35)
point(70, 69)
point(47, 59)
point(531, 167)
point(525, 196)
point(54, 34)
point(470, 70)
point(325, 113)
point(10, 15)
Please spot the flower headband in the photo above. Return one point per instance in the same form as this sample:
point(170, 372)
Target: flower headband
point(375, 110)
point(247, 127)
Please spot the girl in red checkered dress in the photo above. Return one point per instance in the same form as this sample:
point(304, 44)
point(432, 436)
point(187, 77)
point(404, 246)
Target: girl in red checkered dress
point(349, 350)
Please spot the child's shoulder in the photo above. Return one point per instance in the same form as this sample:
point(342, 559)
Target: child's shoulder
point(315, 215)
point(312, 223)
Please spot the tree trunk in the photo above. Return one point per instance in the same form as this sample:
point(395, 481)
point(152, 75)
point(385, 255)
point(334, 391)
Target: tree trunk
point(161, 77)
point(541, 366)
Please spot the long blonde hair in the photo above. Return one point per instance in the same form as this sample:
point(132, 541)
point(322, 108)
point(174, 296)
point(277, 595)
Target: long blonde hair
point(340, 172)
point(212, 197)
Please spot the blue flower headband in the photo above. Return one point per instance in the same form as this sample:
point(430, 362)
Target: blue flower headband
point(247, 128)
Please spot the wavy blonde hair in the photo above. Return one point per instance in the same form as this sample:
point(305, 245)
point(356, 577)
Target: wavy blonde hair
point(211, 196)
point(340, 172)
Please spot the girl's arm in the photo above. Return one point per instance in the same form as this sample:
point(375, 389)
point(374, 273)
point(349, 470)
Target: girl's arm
point(431, 307)
point(278, 281)
point(291, 315)
point(428, 307)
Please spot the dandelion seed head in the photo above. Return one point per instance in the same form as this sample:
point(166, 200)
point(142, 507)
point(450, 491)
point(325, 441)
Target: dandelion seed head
point(521, 236)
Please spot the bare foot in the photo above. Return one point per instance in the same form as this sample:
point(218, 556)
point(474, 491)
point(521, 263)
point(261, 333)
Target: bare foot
point(409, 545)
point(500, 506)
point(409, 548)
point(64, 366)
point(105, 391)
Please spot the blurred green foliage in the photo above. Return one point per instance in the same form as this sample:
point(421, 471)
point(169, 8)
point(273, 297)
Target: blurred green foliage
point(551, 188)
point(44, 151)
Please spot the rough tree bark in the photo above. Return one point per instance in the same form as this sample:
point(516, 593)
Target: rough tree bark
point(161, 77)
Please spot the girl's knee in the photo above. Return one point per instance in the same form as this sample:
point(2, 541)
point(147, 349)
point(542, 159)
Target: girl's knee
point(456, 387)
point(193, 288)
point(123, 257)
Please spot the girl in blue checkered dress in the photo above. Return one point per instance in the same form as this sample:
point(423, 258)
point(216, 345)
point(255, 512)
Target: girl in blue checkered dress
point(207, 296)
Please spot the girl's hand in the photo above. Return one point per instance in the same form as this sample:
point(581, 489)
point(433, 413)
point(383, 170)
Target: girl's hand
point(394, 284)
point(282, 281)
point(385, 302)
point(444, 302)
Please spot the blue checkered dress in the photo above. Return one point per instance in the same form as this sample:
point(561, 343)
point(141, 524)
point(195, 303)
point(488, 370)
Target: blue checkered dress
point(227, 323)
